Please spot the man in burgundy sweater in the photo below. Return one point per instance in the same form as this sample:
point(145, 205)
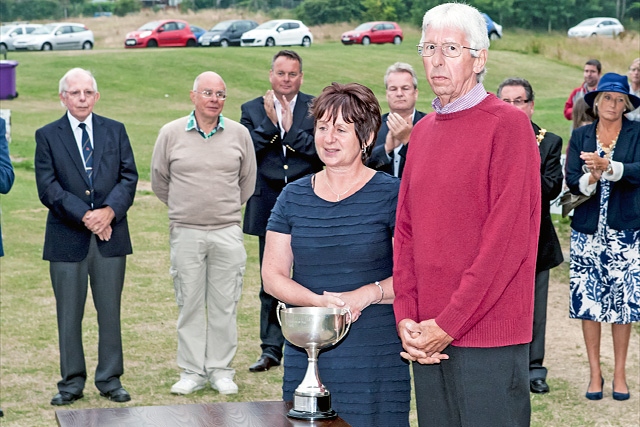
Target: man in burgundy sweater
point(466, 237)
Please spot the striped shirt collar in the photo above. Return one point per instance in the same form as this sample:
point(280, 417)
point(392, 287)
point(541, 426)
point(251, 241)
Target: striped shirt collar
point(468, 100)
point(192, 124)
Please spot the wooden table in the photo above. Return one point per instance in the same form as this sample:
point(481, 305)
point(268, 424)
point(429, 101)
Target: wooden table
point(225, 414)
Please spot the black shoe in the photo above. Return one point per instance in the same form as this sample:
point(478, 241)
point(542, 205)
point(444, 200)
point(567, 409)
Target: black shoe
point(119, 395)
point(263, 364)
point(539, 385)
point(64, 398)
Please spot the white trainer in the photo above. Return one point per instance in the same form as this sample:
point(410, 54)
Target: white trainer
point(186, 386)
point(225, 386)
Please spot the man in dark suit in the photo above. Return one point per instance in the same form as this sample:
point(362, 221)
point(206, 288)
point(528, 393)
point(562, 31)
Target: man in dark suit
point(390, 150)
point(86, 176)
point(6, 178)
point(519, 93)
point(282, 134)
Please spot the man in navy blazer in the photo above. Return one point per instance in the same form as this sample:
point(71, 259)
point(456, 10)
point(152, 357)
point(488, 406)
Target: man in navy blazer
point(390, 151)
point(282, 134)
point(518, 92)
point(86, 176)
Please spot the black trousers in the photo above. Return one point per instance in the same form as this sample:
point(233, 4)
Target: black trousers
point(70, 280)
point(536, 348)
point(271, 336)
point(476, 387)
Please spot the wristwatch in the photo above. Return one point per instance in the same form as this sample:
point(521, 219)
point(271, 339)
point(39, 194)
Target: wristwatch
point(610, 168)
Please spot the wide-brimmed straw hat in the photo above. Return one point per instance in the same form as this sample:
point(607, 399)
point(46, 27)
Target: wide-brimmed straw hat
point(612, 82)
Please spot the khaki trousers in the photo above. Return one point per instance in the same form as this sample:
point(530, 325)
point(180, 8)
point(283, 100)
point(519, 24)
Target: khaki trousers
point(207, 269)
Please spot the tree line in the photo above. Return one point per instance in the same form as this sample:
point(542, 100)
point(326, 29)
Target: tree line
point(550, 15)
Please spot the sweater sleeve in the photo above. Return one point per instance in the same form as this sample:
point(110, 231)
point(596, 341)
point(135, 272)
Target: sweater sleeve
point(160, 176)
point(509, 233)
point(247, 175)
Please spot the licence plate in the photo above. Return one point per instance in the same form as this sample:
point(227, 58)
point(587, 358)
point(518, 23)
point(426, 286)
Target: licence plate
point(206, 43)
point(130, 42)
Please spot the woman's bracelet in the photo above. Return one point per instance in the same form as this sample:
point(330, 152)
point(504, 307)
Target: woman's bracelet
point(381, 291)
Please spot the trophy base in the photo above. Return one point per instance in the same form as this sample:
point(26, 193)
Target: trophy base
point(312, 408)
point(311, 416)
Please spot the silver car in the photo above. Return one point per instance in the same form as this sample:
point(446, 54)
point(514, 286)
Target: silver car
point(61, 35)
point(9, 32)
point(608, 27)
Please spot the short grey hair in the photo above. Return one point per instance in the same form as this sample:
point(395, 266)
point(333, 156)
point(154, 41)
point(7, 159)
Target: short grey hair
point(401, 67)
point(197, 80)
point(518, 81)
point(64, 81)
point(464, 18)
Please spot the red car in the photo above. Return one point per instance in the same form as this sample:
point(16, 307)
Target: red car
point(374, 32)
point(165, 33)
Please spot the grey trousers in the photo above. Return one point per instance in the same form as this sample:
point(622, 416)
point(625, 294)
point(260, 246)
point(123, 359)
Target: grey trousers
point(70, 280)
point(476, 387)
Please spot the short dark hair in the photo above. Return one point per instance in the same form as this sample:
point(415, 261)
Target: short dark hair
point(358, 105)
point(287, 54)
point(595, 63)
point(517, 81)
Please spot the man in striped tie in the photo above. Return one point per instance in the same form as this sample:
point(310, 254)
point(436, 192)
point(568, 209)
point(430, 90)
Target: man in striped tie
point(86, 177)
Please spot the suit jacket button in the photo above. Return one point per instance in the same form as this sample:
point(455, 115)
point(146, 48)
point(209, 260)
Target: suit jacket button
point(286, 167)
point(88, 193)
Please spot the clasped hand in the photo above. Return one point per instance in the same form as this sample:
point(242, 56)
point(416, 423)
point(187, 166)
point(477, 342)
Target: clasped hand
point(423, 342)
point(270, 109)
point(98, 221)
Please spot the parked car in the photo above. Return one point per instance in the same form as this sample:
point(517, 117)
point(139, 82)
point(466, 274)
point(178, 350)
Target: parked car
point(58, 35)
point(493, 28)
point(164, 33)
point(279, 32)
point(373, 32)
point(9, 32)
point(197, 31)
point(226, 33)
point(609, 27)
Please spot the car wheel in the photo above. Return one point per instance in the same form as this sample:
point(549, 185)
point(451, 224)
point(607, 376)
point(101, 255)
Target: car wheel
point(87, 45)
point(152, 43)
point(594, 35)
point(46, 46)
point(494, 36)
point(192, 43)
point(3, 47)
point(397, 40)
point(270, 42)
point(224, 43)
point(366, 41)
point(306, 41)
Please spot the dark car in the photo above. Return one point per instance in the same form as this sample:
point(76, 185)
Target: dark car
point(226, 33)
point(373, 32)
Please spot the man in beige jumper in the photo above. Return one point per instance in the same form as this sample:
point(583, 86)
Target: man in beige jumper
point(204, 168)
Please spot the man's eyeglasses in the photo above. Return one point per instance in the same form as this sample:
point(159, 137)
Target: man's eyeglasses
point(451, 50)
point(78, 93)
point(517, 102)
point(220, 95)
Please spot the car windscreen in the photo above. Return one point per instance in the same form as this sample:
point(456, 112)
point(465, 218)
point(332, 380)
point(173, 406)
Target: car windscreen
point(363, 27)
point(268, 25)
point(221, 26)
point(149, 26)
point(47, 29)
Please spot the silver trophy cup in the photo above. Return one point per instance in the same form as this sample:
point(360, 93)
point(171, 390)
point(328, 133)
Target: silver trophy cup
point(313, 328)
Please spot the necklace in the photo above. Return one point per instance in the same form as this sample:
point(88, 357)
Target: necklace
point(609, 149)
point(338, 195)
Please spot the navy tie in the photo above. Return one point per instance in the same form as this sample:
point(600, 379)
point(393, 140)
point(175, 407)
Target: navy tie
point(87, 151)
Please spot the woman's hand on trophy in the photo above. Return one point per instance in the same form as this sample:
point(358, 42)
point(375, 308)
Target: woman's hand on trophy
point(353, 300)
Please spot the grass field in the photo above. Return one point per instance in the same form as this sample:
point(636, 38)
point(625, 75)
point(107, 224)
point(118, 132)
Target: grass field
point(147, 88)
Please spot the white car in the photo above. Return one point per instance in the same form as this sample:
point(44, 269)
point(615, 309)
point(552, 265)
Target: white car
point(9, 32)
point(608, 27)
point(279, 32)
point(61, 35)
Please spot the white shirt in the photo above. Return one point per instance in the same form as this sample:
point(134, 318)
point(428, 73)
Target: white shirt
point(77, 131)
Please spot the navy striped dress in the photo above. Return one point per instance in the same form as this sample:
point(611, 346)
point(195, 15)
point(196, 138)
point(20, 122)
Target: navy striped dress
point(338, 247)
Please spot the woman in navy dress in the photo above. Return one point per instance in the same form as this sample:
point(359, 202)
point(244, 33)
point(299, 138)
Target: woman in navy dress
point(604, 161)
point(335, 230)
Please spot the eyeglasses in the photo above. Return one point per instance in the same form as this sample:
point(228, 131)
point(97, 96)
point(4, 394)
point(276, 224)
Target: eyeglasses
point(517, 102)
point(220, 95)
point(78, 93)
point(451, 50)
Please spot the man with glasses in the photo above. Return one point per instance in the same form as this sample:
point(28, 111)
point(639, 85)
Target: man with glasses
point(203, 168)
point(466, 237)
point(282, 133)
point(86, 176)
point(390, 151)
point(518, 92)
